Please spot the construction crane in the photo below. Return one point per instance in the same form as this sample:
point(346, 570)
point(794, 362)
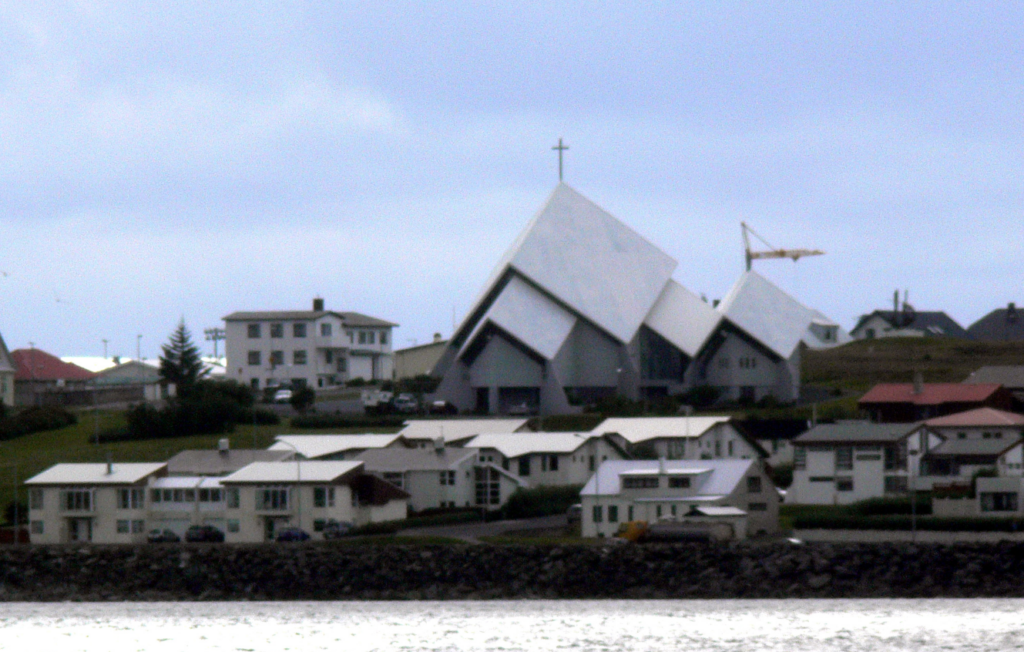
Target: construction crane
point(795, 254)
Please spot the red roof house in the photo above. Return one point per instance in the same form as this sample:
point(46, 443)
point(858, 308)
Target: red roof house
point(38, 372)
point(908, 402)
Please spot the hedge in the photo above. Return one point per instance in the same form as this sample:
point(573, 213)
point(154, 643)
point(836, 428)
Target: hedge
point(35, 419)
point(541, 501)
point(903, 522)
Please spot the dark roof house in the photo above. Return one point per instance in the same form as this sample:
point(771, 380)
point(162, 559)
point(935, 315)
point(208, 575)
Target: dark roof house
point(1000, 325)
point(907, 323)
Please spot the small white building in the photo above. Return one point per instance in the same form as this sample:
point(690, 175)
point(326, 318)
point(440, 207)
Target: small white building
point(671, 490)
point(315, 348)
point(683, 438)
point(335, 447)
point(547, 458)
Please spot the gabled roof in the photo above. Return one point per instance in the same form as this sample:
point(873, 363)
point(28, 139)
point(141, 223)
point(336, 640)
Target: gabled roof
point(639, 429)
point(588, 260)
point(769, 315)
point(350, 318)
point(930, 394)
point(1009, 376)
point(458, 429)
point(514, 444)
point(856, 432)
point(1000, 325)
point(313, 446)
point(722, 476)
point(682, 318)
point(306, 471)
point(932, 323)
point(96, 474)
point(36, 364)
point(414, 459)
point(211, 462)
point(980, 417)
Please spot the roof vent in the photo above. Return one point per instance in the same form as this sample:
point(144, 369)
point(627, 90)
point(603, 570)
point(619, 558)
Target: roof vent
point(318, 305)
point(918, 382)
point(110, 466)
point(223, 445)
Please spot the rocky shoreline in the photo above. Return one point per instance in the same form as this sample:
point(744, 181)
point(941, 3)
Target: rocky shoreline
point(467, 572)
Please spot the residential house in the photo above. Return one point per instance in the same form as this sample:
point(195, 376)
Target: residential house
point(424, 432)
point(1000, 325)
point(679, 490)
point(335, 447)
point(547, 458)
point(442, 477)
point(909, 402)
point(842, 463)
point(679, 438)
point(315, 348)
point(971, 441)
point(419, 360)
point(1010, 377)
point(138, 381)
point(8, 372)
point(44, 379)
point(102, 503)
point(907, 322)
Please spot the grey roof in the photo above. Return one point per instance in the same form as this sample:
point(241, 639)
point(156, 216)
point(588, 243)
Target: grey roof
point(682, 318)
point(212, 462)
point(350, 318)
point(1009, 376)
point(856, 432)
point(722, 476)
point(933, 323)
point(590, 261)
point(1000, 325)
point(413, 459)
point(775, 319)
point(954, 446)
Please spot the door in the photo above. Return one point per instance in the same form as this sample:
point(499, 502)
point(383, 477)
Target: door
point(80, 530)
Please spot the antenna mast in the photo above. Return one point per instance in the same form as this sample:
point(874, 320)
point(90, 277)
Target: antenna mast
point(772, 252)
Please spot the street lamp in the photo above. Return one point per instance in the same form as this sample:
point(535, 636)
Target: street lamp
point(138, 347)
point(298, 479)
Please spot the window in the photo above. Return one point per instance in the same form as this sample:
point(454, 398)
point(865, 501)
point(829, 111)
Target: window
point(254, 359)
point(630, 512)
point(123, 527)
point(677, 450)
point(383, 337)
point(276, 331)
point(233, 525)
point(641, 483)
point(551, 462)
point(35, 499)
point(895, 484)
point(277, 358)
point(138, 526)
point(998, 501)
point(896, 457)
point(613, 513)
point(598, 514)
point(130, 498)
point(76, 500)
point(799, 457)
point(447, 478)
point(362, 337)
point(757, 507)
point(36, 527)
point(657, 511)
point(754, 485)
point(299, 357)
point(844, 458)
point(844, 483)
point(396, 479)
point(678, 483)
point(488, 486)
point(233, 498)
point(271, 498)
point(961, 435)
point(325, 330)
point(342, 365)
point(323, 497)
point(299, 330)
point(730, 448)
point(371, 337)
point(328, 356)
point(254, 331)
point(718, 449)
point(524, 465)
point(211, 495)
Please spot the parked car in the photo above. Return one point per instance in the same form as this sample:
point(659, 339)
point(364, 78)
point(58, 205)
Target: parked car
point(520, 410)
point(335, 529)
point(406, 404)
point(443, 407)
point(204, 533)
point(162, 536)
point(283, 396)
point(292, 534)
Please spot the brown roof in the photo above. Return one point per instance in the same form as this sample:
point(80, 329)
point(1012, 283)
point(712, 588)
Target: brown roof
point(930, 394)
point(36, 364)
point(985, 416)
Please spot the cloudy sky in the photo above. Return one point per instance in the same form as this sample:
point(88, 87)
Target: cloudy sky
point(188, 160)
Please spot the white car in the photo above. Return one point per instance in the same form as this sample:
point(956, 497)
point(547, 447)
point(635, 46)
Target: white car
point(283, 396)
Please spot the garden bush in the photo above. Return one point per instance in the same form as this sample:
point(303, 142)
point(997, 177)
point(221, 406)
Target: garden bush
point(35, 419)
point(541, 501)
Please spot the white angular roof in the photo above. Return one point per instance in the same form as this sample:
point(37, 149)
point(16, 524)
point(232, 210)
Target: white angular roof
point(638, 429)
point(514, 444)
point(90, 474)
point(721, 481)
point(531, 317)
point(314, 446)
point(769, 315)
point(456, 429)
point(590, 261)
point(292, 472)
point(682, 318)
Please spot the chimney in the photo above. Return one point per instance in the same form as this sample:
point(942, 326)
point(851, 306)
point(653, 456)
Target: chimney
point(439, 445)
point(318, 304)
point(437, 336)
point(223, 446)
point(110, 466)
point(918, 382)
point(661, 466)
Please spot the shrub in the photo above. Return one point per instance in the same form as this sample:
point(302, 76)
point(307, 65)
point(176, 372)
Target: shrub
point(303, 398)
point(891, 506)
point(904, 522)
point(35, 419)
point(541, 501)
point(781, 475)
point(207, 408)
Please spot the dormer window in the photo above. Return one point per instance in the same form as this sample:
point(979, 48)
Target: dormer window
point(641, 483)
point(675, 482)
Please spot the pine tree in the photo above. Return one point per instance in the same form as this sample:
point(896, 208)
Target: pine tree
point(181, 363)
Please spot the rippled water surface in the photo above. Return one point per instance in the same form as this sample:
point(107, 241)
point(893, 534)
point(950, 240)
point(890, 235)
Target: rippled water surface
point(745, 626)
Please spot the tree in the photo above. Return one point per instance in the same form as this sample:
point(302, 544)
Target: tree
point(181, 363)
point(302, 399)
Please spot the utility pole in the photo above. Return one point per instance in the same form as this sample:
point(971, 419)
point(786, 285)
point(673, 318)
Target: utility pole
point(215, 335)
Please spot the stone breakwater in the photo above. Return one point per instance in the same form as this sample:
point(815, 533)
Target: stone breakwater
point(351, 572)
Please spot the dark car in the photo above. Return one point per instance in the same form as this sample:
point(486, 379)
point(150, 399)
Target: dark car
point(292, 534)
point(335, 529)
point(204, 533)
point(162, 536)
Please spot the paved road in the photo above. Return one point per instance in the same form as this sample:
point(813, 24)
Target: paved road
point(470, 532)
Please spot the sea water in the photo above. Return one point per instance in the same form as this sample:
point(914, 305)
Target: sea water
point(613, 625)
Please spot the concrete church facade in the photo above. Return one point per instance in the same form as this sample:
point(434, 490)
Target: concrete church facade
point(582, 307)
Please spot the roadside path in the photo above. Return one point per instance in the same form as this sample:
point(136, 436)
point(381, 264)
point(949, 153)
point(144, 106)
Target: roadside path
point(471, 532)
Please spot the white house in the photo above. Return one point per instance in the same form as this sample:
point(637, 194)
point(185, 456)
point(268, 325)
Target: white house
point(443, 477)
point(263, 497)
point(103, 503)
point(307, 348)
point(846, 462)
point(683, 438)
point(969, 442)
point(547, 458)
point(659, 490)
point(335, 447)
point(7, 372)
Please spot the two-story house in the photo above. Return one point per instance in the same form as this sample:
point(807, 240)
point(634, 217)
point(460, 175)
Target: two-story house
point(307, 348)
point(683, 438)
point(547, 458)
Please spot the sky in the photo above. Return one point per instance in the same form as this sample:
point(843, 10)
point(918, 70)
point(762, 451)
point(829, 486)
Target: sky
point(169, 161)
